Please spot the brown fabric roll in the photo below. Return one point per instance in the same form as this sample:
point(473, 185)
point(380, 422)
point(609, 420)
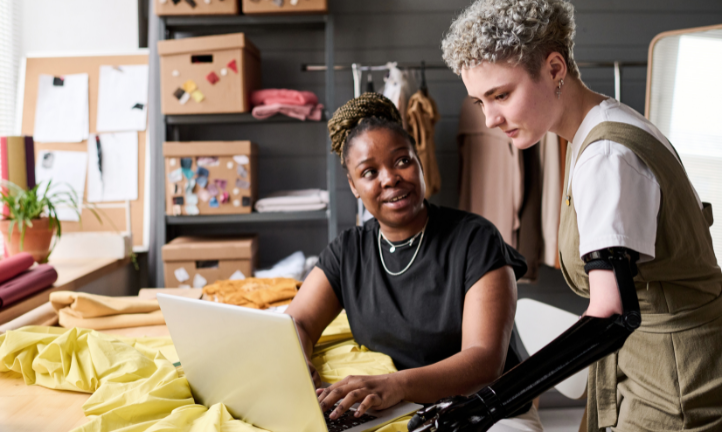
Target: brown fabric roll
point(27, 284)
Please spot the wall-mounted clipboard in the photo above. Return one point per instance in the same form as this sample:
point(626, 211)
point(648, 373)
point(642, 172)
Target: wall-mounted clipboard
point(122, 216)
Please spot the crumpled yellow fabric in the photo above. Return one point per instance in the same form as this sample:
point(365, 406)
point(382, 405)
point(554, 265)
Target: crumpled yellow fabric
point(135, 386)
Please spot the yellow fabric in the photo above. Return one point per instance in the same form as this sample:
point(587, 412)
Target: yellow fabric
point(135, 386)
point(90, 311)
point(400, 425)
point(338, 330)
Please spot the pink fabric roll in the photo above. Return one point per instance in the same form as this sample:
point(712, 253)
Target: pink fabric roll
point(14, 265)
point(302, 112)
point(283, 96)
point(27, 284)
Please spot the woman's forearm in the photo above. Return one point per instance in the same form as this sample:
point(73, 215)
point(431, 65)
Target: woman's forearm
point(306, 342)
point(461, 374)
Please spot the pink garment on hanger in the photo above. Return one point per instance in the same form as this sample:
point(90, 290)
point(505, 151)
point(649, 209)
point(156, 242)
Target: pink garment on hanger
point(14, 265)
point(301, 112)
point(283, 96)
point(27, 284)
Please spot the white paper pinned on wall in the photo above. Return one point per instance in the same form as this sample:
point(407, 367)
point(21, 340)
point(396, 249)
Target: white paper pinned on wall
point(61, 111)
point(66, 169)
point(118, 178)
point(123, 98)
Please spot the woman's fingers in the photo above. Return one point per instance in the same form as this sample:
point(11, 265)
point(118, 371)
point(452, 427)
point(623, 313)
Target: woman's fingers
point(370, 401)
point(329, 396)
point(351, 398)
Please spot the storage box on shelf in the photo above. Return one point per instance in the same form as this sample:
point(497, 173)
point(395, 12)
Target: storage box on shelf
point(210, 178)
point(196, 7)
point(198, 261)
point(208, 74)
point(251, 7)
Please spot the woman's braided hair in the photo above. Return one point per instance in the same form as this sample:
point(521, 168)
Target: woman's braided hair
point(366, 112)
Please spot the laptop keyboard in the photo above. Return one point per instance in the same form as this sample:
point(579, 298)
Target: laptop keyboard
point(346, 421)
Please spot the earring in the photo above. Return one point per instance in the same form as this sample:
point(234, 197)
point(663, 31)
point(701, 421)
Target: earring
point(559, 88)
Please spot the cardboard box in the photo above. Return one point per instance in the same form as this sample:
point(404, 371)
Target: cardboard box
point(209, 74)
point(196, 7)
point(265, 7)
point(229, 168)
point(199, 261)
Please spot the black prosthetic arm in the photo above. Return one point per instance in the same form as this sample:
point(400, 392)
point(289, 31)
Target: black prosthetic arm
point(586, 342)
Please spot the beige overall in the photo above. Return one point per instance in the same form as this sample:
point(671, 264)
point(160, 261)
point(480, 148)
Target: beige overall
point(668, 375)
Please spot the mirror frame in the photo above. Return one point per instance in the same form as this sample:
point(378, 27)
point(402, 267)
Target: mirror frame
point(650, 56)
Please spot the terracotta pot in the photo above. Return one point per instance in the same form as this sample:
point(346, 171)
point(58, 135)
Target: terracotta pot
point(37, 239)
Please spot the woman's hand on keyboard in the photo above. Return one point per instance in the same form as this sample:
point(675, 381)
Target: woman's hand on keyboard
point(375, 391)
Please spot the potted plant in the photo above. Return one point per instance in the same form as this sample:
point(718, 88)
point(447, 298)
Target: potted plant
point(31, 219)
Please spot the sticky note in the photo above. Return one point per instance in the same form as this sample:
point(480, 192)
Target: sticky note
point(178, 93)
point(58, 81)
point(138, 106)
point(192, 210)
point(225, 197)
point(175, 176)
point(186, 162)
point(191, 2)
point(213, 189)
point(221, 184)
point(232, 65)
point(202, 181)
point(181, 274)
point(178, 201)
point(237, 275)
point(246, 201)
point(208, 161)
point(197, 96)
point(202, 172)
point(204, 195)
point(191, 199)
point(212, 78)
point(189, 86)
point(177, 210)
point(242, 171)
point(186, 97)
point(213, 203)
point(242, 184)
point(190, 186)
point(188, 173)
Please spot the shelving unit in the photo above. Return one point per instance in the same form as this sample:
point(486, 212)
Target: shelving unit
point(163, 128)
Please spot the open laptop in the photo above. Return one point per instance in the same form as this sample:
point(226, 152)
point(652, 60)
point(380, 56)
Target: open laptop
point(252, 361)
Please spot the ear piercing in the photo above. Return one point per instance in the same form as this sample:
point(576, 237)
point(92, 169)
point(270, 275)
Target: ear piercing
point(559, 88)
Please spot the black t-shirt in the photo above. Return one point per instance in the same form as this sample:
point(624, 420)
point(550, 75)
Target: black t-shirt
point(415, 318)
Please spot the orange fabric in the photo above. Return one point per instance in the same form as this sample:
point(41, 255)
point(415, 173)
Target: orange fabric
point(256, 293)
point(422, 116)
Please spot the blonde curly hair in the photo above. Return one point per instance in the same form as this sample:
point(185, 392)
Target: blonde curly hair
point(522, 32)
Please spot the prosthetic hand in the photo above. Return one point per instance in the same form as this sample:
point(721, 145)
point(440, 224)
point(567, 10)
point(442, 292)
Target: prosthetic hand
point(586, 342)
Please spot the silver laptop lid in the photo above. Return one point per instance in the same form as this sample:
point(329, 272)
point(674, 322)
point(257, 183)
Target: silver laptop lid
point(249, 360)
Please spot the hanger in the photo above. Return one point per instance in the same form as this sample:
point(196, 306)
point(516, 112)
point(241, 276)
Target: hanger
point(370, 83)
point(424, 89)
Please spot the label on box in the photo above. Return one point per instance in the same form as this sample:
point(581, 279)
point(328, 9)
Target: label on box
point(199, 281)
point(241, 159)
point(237, 275)
point(181, 274)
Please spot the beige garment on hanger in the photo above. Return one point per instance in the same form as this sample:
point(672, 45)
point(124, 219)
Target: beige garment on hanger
point(422, 116)
point(491, 183)
point(551, 196)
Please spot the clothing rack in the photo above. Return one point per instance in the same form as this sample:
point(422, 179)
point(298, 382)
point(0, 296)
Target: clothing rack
point(616, 65)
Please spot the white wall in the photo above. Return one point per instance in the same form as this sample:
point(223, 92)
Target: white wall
point(74, 26)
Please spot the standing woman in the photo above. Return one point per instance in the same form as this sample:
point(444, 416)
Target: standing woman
point(628, 210)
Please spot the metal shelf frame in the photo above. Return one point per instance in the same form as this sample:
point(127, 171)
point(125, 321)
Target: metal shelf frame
point(161, 28)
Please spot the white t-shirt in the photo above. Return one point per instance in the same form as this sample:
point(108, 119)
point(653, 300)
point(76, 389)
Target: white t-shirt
point(616, 196)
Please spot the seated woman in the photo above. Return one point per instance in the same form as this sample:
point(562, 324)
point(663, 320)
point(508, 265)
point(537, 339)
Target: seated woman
point(432, 287)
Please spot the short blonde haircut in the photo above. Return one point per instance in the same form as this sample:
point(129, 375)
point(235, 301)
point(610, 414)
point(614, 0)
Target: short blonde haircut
point(522, 32)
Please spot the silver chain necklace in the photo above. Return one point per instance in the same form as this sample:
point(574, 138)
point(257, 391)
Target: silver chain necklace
point(381, 253)
point(409, 242)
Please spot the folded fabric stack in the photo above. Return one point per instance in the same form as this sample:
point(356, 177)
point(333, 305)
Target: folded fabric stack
point(301, 105)
point(292, 201)
point(18, 280)
point(256, 293)
point(90, 311)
